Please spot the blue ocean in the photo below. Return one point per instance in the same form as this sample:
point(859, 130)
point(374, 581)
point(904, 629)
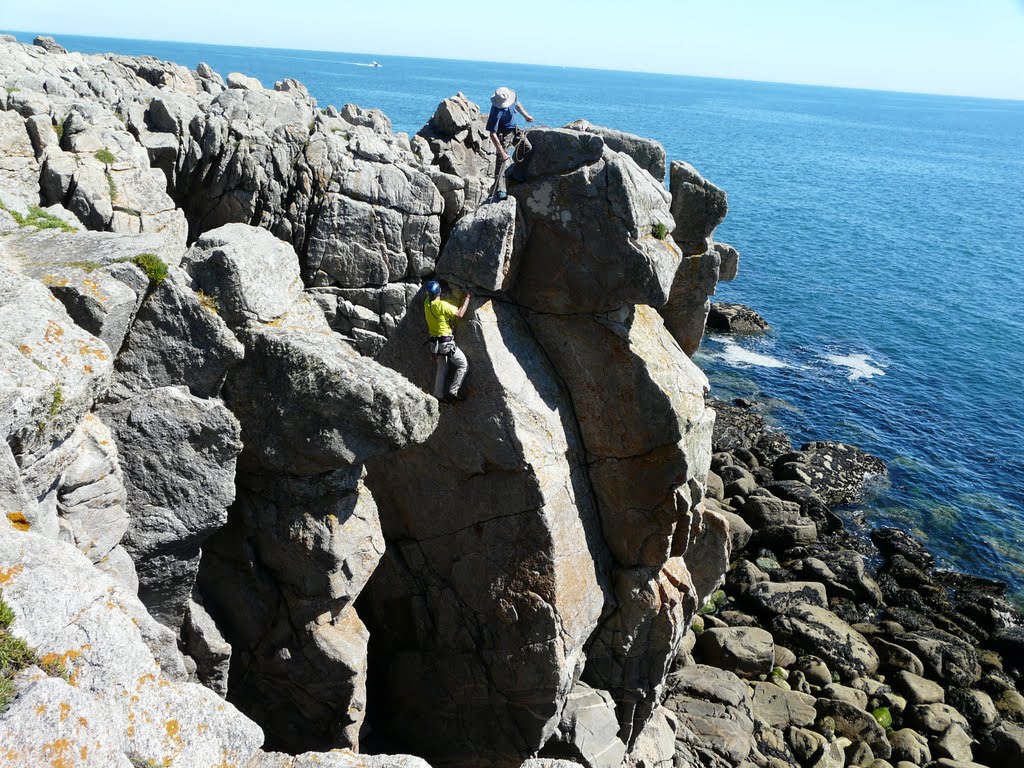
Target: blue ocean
point(881, 236)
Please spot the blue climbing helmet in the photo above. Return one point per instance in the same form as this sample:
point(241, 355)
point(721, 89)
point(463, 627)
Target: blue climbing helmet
point(433, 289)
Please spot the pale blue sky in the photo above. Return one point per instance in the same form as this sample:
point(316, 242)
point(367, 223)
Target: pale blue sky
point(969, 47)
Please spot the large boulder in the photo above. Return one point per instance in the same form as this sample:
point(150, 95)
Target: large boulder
point(178, 455)
point(819, 631)
point(123, 679)
point(249, 273)
point(178, 338)
point(51, 371)
point(483, 246)
point(479, 632)
point(309, 403)
point(593, 241)
point(280, 581)
point(698, 206)
point(643, 423)
point(715, 709)
point(647, 153)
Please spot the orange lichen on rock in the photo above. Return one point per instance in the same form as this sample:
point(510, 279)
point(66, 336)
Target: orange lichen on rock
point(56, 753)
point(93, 349)
point(54, 333)
point(7, 574)
point(65, 710)
point(26, 350)
point(92, 287)
point(18, 520)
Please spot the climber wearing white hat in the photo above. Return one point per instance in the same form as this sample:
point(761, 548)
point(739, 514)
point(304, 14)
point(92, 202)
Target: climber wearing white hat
point(501, 125)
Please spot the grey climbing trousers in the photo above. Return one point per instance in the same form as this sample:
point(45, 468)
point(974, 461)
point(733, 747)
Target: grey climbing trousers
point(457, 361)
point(505, 168)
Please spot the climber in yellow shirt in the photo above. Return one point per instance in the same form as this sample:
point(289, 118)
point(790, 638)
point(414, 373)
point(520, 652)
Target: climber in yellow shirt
point(439, 314)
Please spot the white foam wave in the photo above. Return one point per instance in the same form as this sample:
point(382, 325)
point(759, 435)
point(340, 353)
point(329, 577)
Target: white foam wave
point(860, 366)
point(734, 354)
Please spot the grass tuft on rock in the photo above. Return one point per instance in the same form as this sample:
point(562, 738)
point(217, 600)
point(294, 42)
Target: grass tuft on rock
point(86, 265)
point(660, 231)
point(105, 156)
point(39, 219)
point(152, 265)
point(15, 655)
point(111, 187)
point(208, 302)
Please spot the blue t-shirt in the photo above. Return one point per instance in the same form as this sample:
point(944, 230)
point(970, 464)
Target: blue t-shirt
point(501, 119)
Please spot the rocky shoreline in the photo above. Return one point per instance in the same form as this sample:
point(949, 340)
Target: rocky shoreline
point(831, 647)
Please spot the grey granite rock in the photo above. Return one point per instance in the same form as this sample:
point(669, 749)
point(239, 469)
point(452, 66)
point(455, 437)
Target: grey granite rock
point(919, 690)
point(780, 708)
point(178, 455)
point(855, 724)
point(588, 729)
point(48, 44)
point(779, 599)
point(945, 657)
point(250, 274)
point(729, 317)
point(911, 746)
point(647, 153)
point(698, 206)
point(594, 228)
point(51, 371)
point(744, 651)
point(204, 643)
point(729, 261)
point(821, 632)
point(715, 708)
point(482, 251)
point(458, 570)
point(95, 300)
point(309, 403)
point(178, 338)
point(298, 551)
point(125, 677)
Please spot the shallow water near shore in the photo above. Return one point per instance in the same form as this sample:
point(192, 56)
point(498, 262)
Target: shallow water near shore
point(881, 238)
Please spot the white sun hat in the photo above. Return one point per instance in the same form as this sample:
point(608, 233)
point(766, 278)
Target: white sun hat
point(503, 97)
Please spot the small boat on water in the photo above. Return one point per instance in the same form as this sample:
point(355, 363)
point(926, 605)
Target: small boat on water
point(375, 64)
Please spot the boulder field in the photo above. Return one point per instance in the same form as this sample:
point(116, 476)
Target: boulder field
point(238, 531)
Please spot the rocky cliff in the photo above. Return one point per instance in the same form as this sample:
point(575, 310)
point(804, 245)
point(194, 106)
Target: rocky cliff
point(222, 466)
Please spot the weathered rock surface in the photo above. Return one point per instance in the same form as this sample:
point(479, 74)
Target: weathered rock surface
point(483, 247)
point(125, 676)
point(177, 339)
point(715, 709)
point(178, 455)
point(728, 317)
point(647, 153)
